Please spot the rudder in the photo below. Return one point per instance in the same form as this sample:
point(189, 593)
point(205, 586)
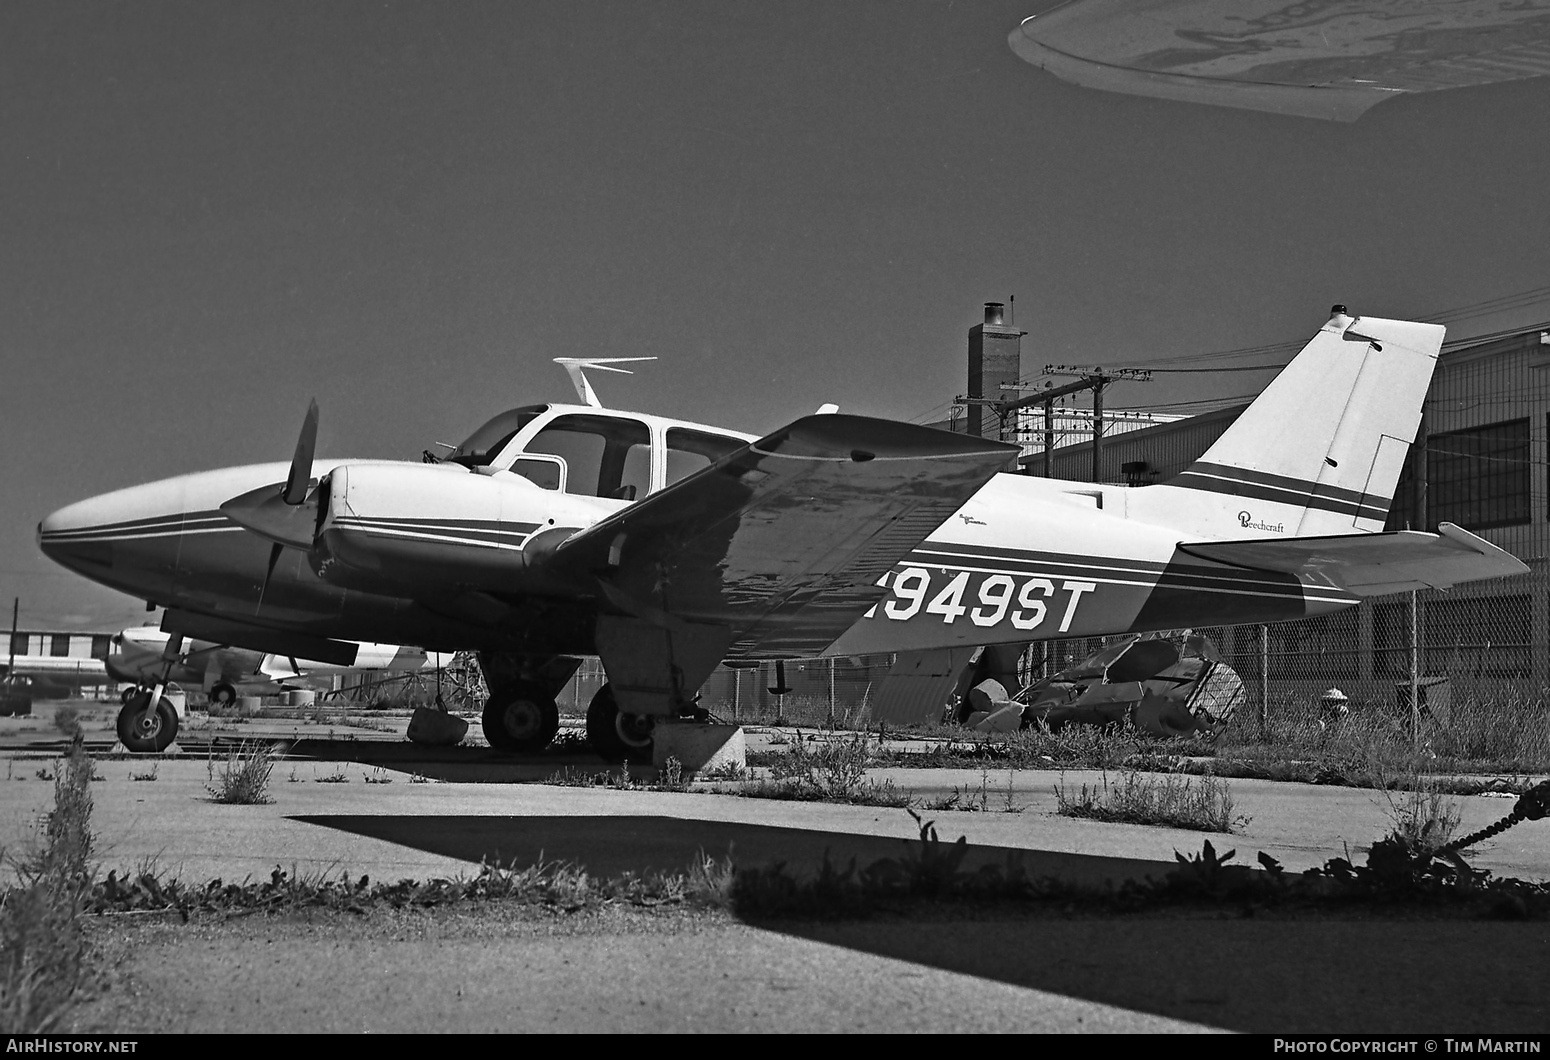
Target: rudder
point(1320, 450)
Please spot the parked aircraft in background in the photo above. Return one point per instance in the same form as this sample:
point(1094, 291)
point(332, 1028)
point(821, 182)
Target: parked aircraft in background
point(138, 657)
point(51, 676)
point(665, 547)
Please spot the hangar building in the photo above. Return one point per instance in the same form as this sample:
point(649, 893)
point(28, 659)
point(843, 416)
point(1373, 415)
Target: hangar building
point(1479, 461)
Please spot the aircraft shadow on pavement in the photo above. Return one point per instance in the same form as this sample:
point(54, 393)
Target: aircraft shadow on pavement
point(614, 844)
point(1263, 976)
point(1212, 966)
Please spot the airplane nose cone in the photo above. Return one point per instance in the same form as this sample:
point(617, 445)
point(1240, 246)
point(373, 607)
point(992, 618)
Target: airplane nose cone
point(75, 537)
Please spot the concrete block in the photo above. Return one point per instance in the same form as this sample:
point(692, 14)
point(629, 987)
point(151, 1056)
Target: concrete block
point(699, 748)
point(300, 697)
point(248, 706)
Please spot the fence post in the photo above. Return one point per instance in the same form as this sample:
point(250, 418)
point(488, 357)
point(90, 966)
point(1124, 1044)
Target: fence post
point(1415, 674)
point(737, 694)
point(831, 692)
point(1264, 681)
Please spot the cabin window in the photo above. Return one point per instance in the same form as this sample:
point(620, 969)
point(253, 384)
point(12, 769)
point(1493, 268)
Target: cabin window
point(59, 644)
point(605, 456)
point(690, 451)
point(101, 644)
point(542, 473)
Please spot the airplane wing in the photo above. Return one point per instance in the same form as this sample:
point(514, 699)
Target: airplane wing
point(1373, 564)
point(784, 540)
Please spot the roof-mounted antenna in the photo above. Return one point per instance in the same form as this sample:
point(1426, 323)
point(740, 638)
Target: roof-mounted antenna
point(577, 367)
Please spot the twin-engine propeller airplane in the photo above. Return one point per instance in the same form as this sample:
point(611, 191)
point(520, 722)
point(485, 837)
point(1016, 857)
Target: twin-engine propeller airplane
point(665, 547)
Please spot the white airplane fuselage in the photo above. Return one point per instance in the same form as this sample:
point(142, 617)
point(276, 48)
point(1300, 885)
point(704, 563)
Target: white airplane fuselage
point(1024, 559)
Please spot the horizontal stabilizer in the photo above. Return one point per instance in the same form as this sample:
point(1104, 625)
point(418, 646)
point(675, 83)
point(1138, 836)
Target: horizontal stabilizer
point(1373, 564)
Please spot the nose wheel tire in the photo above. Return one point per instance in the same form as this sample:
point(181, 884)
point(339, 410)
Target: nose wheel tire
point(520, 719)
point(616, 736)
point(146, 728)
point(222, 695)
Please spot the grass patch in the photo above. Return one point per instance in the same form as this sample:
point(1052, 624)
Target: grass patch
point(868, 793)
point(564, 887)
point(831, 769)
point(977, 799)
point(1424, 817)
point(46, 959)
point(242, 777)
point(1203, 804)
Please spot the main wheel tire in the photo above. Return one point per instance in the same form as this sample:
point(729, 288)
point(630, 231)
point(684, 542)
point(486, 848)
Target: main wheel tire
point(144, 728)
point(222, 695)
point(522, 719)
point(618, 737)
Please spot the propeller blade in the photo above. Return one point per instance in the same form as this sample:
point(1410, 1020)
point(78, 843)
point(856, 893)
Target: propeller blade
point(301, 464)
point(274, 558)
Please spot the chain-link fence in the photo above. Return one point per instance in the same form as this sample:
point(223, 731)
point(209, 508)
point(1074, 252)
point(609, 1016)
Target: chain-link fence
point(1487, 643)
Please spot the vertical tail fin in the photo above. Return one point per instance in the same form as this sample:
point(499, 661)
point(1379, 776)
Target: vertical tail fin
point(1320, 450)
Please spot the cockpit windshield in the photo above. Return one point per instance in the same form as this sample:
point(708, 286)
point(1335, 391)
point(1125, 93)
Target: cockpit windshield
point(479, 448)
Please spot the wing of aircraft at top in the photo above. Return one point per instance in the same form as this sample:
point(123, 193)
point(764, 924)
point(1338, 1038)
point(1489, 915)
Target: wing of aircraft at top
point(666, 547)
point(1334, 59)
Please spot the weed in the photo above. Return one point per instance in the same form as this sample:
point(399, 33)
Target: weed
point(46, 964)
point(67, 720)
point(242, 777)
point(1423, 817)
point(568, 741)
point(727, 770)
point(377, 776)
point(836, 767)
point(44, 774)
point(671, 777)
point(1201, 803)
point(293, 778)
point(149, 774)
point(971, 799)
point(336, 777)
point(1011, 794)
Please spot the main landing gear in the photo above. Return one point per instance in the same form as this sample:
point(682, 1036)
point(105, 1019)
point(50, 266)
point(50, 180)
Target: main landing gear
point(616, 736)
point(144, 727)
point(520, 717)
point(222, 695)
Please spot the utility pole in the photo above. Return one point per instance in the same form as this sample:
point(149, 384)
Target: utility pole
point(1093, 379)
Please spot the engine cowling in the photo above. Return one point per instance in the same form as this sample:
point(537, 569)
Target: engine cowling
point(434, 527)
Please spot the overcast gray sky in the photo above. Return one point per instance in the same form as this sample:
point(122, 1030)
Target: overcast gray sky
point(212, 211)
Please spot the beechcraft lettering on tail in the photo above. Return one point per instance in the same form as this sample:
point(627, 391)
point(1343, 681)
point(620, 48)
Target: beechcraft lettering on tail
point(665, 547)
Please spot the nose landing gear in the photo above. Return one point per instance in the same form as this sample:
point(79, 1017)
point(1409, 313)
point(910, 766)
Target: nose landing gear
point(146, 727)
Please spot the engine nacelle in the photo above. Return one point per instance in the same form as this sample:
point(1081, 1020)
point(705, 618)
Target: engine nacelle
point(401, 526)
